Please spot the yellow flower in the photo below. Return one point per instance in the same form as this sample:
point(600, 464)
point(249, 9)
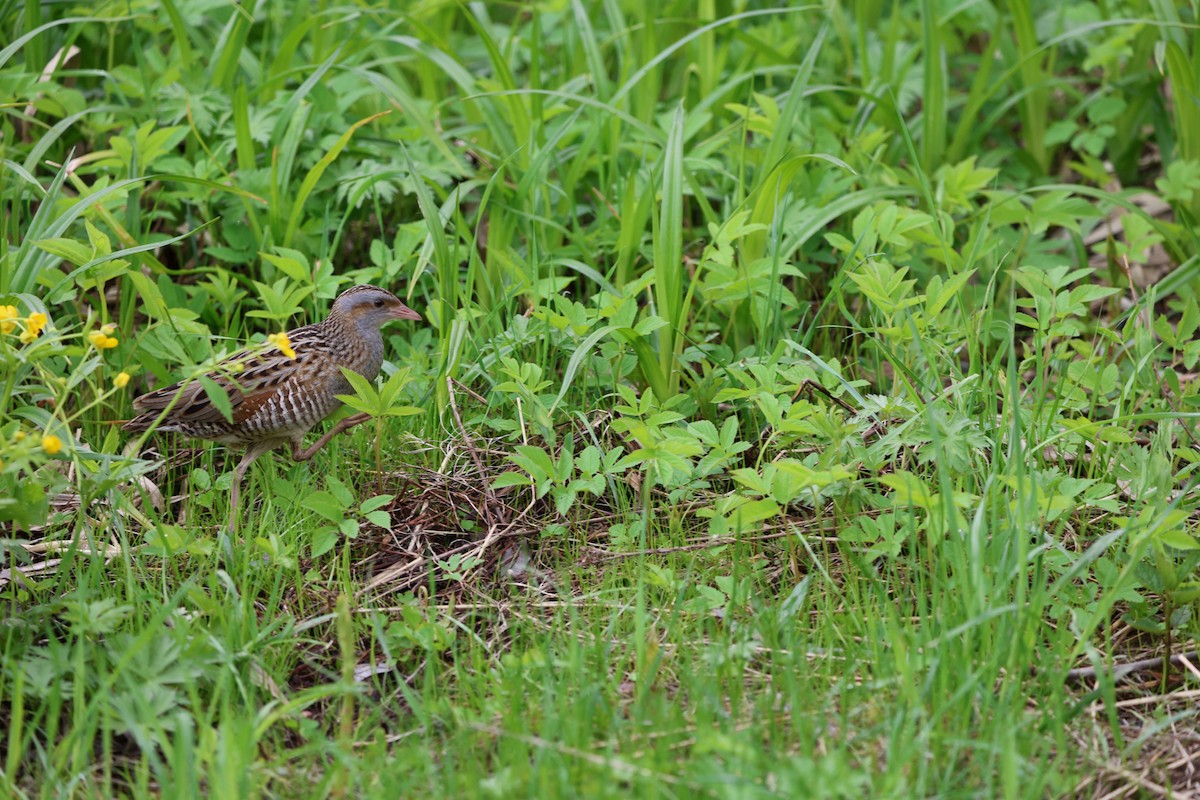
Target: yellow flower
point(51, 443)
point(284, 344)
point(33, 326)
point(7, 315)
point(101, 341)
point(122, 380)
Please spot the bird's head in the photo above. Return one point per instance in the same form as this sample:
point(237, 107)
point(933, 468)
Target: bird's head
point(371, 306)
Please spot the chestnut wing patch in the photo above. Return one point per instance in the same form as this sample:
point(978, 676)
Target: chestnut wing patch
point(250, 404)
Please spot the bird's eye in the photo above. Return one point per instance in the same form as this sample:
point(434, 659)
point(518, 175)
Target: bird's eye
point(379, 304)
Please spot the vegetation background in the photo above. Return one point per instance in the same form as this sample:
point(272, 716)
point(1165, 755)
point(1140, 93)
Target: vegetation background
point(806, 405)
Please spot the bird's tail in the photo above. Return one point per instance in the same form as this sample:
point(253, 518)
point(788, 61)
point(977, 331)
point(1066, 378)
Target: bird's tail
point(142, 422)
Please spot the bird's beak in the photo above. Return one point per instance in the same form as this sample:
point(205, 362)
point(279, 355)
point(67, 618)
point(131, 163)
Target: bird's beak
point(404, 312)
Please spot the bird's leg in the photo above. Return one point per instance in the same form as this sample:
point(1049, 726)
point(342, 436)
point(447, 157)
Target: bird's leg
point(252, 452)
point(345, 425)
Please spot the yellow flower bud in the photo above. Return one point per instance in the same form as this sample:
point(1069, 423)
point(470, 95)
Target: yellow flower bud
point(102, 342)
point(51, 443)
point(7, 315)
point(19, 436)
point(108, 328)
point(33, 326)
point(284, 344)
point(122, 380)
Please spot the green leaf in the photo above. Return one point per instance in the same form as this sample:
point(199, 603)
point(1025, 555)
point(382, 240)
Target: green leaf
point(324, 540)
point(1190, 319)
point(909, 489)
point(748, 515)
point(403, 411)
point(563, 500)
point(535, 461)
point(290, 262)
point(512, 479)
point(217, 396)
point(649, 325)
point(31, 508)
point(1186, 592)
point(707, 598)
point(378, 501)
point(325, 505)
point(152, 303)
point(1177, 539)
point(77, 253)
point(201, 479)
point(99, 241)
point(380, 519)
point(1112, 433)
point(934, 305)
point(365, 398)
point(342, 492)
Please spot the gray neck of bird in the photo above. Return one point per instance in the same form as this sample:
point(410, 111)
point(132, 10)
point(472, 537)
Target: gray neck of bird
point(365, 335)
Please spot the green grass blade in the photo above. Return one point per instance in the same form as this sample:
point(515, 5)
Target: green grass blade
point(310, 180)
point(668, 251)
point(933, 100)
